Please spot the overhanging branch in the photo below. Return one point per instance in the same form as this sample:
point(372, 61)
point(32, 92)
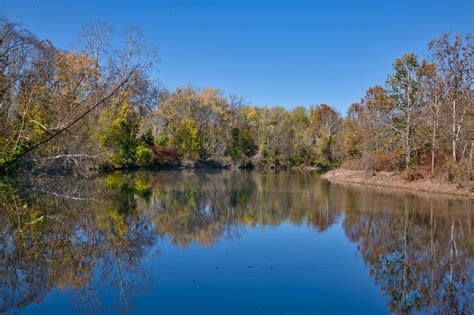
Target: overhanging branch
point(54, 135)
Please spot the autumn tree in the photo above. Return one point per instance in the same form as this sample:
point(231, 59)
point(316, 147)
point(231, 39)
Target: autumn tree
point(453, 59)
point(121, 136)
point(199, 118)
point(405, 90)
point(353, 132)
point(321, 134)
point(435, 98)
point(18, 49)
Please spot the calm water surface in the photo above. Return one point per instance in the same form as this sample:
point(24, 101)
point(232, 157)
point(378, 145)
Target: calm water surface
point(231, 243)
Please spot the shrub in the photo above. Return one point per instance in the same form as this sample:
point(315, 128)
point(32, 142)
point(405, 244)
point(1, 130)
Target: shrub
point(241, 145)
point(457, 172)
point(143, 155)
point(412, 175)
point(120, 135)
point(388, 162)
point(324, 164)
point(188, 140)
point(148, 138)
point(165, 156)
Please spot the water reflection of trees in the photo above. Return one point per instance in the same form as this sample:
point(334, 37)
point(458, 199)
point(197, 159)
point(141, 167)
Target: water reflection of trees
point(55, 233)
point(418, 249)
point(204, 207)
point(64, 232)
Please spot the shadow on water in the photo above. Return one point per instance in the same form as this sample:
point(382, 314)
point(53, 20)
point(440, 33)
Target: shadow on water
point(65, 232)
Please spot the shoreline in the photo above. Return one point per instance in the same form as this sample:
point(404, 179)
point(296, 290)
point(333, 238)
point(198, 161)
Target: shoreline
point(392, 180)
point(381, 179)
point(208, 165)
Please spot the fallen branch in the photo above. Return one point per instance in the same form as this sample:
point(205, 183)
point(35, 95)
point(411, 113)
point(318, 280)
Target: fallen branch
point(65, 156)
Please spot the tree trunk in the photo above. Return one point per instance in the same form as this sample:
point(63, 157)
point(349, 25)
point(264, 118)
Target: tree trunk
point(408, 153)
point(454, 131)
point(407, 141)
point(376, 142)
point(461, 157)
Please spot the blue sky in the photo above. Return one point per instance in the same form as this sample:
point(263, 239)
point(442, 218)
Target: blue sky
point(284, 53)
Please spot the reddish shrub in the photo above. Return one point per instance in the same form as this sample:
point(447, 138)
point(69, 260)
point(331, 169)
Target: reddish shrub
point(388, 161)
point(165, 156)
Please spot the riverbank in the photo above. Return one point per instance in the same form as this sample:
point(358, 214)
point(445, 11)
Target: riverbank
point(392, 180)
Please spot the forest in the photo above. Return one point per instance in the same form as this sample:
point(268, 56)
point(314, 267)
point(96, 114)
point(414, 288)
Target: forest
point(101, 108)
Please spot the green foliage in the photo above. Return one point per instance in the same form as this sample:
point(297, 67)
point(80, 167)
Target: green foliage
point(405, 82)
point(323, 147)
point(324, 164)
point(241, 145)
point(147, 138)
point(121, 136)
point(188, 140)
point(143, 155)
point(163, 139)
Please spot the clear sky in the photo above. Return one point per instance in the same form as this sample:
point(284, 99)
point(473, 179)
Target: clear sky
point(270, 52)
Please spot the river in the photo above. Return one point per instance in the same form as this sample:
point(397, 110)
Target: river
point(231, 242)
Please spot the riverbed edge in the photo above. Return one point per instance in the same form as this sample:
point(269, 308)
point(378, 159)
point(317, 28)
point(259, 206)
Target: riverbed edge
point(393, 180)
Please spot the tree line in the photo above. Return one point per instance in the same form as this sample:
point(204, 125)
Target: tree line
point(422, 118)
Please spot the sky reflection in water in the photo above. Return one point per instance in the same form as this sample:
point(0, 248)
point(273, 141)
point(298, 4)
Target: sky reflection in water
point(231, 242)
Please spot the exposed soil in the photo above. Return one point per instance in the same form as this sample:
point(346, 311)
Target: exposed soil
point(392, 180)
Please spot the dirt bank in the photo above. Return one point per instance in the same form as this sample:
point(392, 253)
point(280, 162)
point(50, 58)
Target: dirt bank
point(392, 180)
